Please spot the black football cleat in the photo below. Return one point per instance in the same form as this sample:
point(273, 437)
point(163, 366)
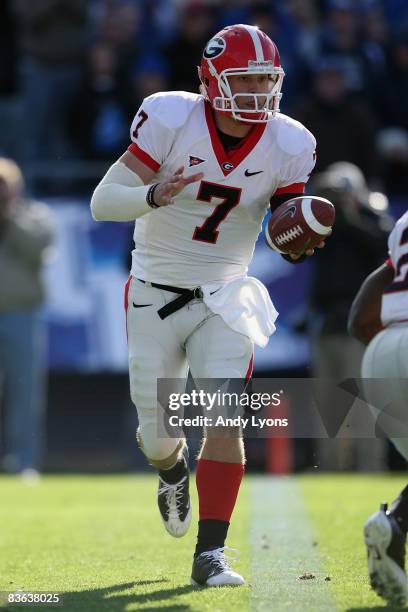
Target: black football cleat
point(210, 568)
point(174, 503)
point(386, 557)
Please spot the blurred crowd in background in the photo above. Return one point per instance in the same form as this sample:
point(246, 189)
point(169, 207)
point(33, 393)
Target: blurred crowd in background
point(72, 76)
point(73, 72)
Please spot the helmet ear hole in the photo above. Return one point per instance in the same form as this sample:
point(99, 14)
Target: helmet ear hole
point(204, 80)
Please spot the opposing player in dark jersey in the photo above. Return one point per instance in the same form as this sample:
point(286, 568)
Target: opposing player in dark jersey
point(379, 318)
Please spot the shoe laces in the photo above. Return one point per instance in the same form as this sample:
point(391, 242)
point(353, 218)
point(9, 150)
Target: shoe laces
point(218, 556)
point(174, 495)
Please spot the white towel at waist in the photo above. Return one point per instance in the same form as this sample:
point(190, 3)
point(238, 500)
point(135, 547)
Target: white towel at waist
point(245, 306)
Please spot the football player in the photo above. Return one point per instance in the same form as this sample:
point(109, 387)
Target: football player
point(198, 177)
point(379, 318)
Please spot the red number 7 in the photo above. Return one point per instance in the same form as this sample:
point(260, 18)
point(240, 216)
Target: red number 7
point(208, 231)
point(144, 116)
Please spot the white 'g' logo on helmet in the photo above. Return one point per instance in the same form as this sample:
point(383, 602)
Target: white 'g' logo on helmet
point(214, 48)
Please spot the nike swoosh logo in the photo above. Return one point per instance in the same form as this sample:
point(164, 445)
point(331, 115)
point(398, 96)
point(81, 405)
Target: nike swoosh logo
point(291, 210)
point(141, 305)
point(248, 173)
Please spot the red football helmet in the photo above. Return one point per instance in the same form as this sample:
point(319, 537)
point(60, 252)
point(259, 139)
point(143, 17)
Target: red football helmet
point(242, 50)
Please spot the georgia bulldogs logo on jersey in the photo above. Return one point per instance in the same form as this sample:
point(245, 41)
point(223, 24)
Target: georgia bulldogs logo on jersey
point(215, 47)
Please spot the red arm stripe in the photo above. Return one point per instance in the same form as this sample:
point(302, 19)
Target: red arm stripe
point(294, 188)
point(144, 157)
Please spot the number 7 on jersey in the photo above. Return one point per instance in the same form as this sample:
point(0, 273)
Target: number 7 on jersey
point(208, 231)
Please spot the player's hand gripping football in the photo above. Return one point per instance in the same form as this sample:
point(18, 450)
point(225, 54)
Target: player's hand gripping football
point(308, 252)
point(165, 191)
point(300, 225)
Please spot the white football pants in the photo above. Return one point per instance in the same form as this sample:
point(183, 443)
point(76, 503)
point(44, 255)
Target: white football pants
point(386, 357)
point(193, 337)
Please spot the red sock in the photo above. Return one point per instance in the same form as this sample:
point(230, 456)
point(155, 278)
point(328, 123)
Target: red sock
point(217, 485)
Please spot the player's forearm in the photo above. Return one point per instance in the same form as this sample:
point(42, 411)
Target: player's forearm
point(120, 196)
point(365, 314)
point(113, 202)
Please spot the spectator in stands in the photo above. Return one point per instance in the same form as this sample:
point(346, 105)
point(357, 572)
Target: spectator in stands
point(392, 144)
point(342, 36)
point(344, 127)
point(148, 75)
point(307, 18)
point(234, 11)
point(393, 94)
point(25, 233)
point(99, 124)
point(376, 32)
point(53, 34)
point(396, 12)
point(159, 23)
point(283, 30)
point(197, 22)
point(358, 243)
point(10, 118)
point(120, 28)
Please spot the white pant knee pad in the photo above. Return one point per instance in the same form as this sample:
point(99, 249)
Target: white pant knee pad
point(155, 448)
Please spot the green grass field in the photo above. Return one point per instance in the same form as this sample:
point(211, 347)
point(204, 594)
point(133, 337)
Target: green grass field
point(99, 541)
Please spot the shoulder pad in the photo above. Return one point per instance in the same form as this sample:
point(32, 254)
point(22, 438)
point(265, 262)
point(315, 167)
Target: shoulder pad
point(172, 108)
point(292, 136)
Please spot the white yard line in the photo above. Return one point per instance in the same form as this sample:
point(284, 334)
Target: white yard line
point(282, 546)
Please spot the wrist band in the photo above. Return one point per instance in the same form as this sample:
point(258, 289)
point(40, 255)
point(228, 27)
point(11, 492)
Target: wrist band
point(150, 196)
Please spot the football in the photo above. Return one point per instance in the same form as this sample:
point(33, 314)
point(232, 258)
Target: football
point(299, 224)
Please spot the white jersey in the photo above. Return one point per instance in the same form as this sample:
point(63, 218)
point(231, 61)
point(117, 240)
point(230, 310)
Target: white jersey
point(209, 234)
point(394, 307)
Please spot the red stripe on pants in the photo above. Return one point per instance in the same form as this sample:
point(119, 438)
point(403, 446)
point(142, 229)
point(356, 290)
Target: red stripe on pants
point(250, 369)
point(126, 301)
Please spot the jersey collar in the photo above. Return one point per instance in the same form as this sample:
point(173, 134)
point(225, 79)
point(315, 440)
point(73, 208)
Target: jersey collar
point(229, 160)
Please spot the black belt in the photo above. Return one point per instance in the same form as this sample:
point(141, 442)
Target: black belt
point(186, 295)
